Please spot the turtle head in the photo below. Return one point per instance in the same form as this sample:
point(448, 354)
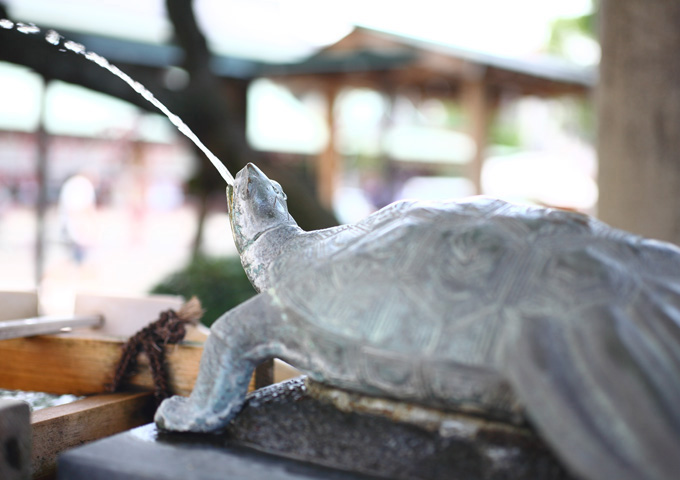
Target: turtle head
point(256, 205)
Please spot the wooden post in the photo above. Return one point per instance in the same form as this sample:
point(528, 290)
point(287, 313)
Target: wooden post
point(386, 161)
point(42, 178)
point(476, 106)
point(639, 117)
point(328, 166)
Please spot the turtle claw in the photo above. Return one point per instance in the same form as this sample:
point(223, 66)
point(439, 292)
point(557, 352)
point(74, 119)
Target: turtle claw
point(174, 414)
point(180, 414)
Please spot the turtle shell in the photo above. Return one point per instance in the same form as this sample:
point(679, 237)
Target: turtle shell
point(421, 285)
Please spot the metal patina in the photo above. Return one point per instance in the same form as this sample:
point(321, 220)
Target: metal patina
point(478, 305)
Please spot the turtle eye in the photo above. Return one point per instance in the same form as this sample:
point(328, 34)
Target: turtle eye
point(277, 188)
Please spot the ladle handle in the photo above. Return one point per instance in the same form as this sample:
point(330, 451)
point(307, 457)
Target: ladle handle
point(27, 327)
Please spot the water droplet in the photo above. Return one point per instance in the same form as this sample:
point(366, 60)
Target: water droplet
point(74, 47)
point(52, 37)
point(27, 28)
point(8, 24)
point(98, 59)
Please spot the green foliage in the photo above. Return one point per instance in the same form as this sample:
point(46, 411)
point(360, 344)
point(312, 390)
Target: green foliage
point(581, 120)
point(585, 25)
point(455, 115)
point(506, 133)
point(219, 283)
point(564, 28)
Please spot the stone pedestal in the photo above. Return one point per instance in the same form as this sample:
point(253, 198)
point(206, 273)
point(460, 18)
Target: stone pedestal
point(287, 432)
point(15, 440)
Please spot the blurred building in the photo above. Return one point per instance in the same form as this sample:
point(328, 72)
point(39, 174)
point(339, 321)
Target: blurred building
point(417, 108)
point(376, 116)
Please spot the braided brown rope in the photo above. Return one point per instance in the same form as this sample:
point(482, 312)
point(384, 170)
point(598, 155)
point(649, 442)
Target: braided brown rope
point(170, 328)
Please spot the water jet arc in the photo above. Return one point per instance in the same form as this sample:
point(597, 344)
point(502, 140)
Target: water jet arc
point(54, 38)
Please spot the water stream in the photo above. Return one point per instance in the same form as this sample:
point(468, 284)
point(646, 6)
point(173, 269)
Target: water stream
point(54, 38)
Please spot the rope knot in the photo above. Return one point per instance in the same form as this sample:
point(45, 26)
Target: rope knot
point(170, 328)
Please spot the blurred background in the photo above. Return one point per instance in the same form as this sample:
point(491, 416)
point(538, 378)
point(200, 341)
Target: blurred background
point(350, 105)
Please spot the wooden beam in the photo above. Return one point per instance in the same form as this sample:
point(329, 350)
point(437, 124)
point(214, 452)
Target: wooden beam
point(56, 429)
point(78, 365)
point(524, 84)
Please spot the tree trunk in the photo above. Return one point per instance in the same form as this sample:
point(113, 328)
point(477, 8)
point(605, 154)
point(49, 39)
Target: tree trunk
point(219, 119)
point(201, 216)
point(639, 117)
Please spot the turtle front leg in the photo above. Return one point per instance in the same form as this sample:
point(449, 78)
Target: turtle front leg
point(239, 341)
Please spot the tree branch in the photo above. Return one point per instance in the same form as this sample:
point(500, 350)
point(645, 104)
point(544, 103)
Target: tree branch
point(34, 52)
point(214, 108)
point(226, 136)
point(188, 35)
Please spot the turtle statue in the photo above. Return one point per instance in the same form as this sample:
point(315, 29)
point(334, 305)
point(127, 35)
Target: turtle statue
point(477, 305)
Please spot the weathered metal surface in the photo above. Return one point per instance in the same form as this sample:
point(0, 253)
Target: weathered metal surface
point(477, 305)
point(28, 327)
point(321, 441)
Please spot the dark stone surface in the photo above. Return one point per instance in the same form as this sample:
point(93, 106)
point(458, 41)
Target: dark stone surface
point(285, 421)
point(143, 454)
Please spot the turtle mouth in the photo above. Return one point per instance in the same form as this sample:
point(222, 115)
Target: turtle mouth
point(253, 173)
point(248, 176)
point(253, 169)
point(230, 199)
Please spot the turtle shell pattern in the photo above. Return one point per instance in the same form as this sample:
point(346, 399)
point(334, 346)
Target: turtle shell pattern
point(418, 300)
